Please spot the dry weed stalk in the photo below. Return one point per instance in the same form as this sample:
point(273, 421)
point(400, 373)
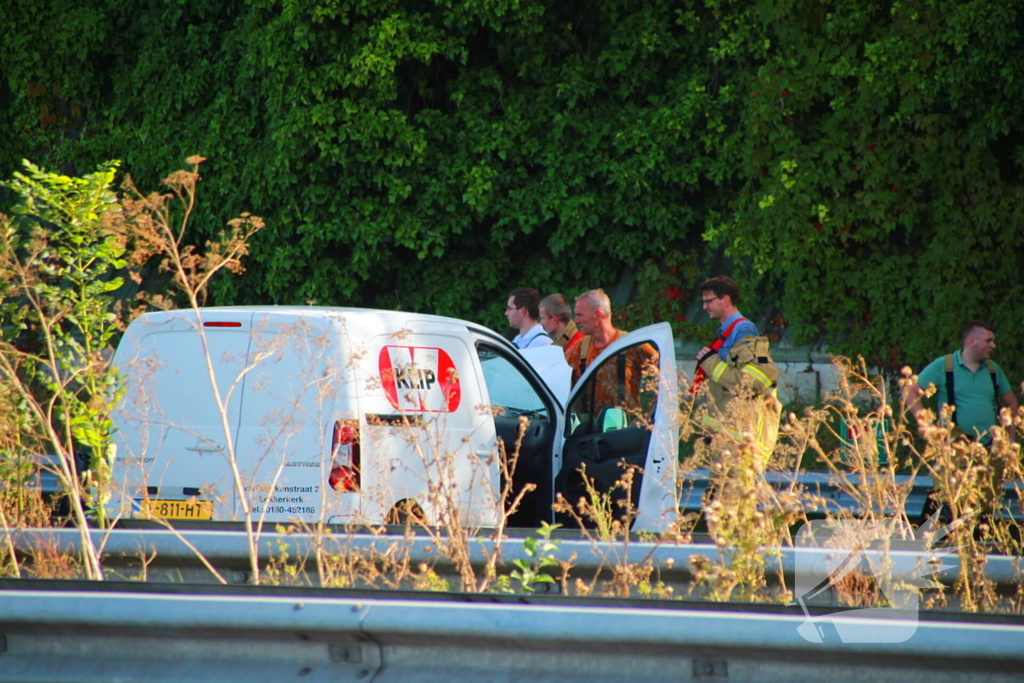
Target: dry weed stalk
point(58, 270)
point(508, 498)
point(451, 535)
point(454, 533)
point(451, 531)
point(48, 561)
point(386, 563)
point(146, 557)
point(605, 519)
point(149, 224)
point(748, 520)
point(1007, 537)
point(10, 553)
point(864, 467)
point(869, 458)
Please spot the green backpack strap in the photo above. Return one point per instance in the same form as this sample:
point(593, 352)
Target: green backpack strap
point(950, 391)
point(995, 379)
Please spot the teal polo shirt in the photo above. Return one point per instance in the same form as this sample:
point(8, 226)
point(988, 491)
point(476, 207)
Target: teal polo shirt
point(977, 405)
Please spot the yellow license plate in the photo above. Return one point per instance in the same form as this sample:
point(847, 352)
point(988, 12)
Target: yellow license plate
point(177, 509)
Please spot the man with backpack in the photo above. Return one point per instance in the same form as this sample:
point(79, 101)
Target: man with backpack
point(969, 380)
point(741, 376)
point(974, 385)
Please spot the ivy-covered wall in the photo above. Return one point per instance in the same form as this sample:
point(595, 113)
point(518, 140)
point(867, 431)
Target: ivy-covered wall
point(858, 162)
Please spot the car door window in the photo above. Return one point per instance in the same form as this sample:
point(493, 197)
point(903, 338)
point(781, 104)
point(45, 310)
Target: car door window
point(508, 387)
point(621, 392)
point(624, 411)
point(524, 426)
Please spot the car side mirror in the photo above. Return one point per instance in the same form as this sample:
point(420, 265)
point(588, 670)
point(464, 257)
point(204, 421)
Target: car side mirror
point(613, 419)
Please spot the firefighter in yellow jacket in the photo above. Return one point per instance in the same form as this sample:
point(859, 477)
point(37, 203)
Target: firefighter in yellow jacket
point(740, 373)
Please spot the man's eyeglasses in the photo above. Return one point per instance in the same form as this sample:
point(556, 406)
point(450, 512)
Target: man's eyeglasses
point(707, 301)
point(512, 308)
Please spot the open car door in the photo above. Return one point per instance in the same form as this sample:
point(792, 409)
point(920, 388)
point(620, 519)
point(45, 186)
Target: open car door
point(621, 417)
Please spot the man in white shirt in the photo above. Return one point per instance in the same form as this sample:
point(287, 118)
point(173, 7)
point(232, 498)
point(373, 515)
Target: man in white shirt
point(522, 311)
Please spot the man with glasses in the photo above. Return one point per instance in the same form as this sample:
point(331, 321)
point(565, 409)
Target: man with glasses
point(522, 313)
point(721, 296)
point(741, 376)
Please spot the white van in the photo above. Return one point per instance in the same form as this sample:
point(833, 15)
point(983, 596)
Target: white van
point(348, 416)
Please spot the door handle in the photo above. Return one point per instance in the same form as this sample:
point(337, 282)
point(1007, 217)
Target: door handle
point(205, 447)
point(595, 449)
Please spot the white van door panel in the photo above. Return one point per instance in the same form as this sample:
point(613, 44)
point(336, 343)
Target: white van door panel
point(426, 437)
point(171, 437)
point(297, 374)
point(622, 414)
point(525, 415)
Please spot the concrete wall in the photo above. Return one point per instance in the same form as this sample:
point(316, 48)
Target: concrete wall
point(804, 380)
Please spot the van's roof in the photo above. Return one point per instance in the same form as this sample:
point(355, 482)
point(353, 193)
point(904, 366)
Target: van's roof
point(389, 318)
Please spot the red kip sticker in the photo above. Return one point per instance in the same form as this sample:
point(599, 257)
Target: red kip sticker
point(419, 379)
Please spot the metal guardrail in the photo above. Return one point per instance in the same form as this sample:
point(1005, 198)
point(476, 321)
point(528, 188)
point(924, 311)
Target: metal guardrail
point(172, 559)
point(63, 637)
point(826, 486)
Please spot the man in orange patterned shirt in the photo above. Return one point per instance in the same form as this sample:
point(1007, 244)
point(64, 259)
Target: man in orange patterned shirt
point(593, 315)
point(637, 366)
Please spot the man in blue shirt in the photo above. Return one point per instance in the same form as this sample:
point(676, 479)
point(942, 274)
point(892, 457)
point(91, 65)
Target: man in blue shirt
point(740, 407)
point(721, 296)
point(980, 386)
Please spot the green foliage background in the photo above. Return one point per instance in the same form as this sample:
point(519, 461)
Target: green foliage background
point(857, 163)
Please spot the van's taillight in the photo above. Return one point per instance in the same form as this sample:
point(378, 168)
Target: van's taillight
point(345, 456)
point(214, 323)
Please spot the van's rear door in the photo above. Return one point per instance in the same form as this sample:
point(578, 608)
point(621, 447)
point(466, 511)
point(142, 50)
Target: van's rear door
point(298, 388)
point(172, 444)
point(622, 416)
